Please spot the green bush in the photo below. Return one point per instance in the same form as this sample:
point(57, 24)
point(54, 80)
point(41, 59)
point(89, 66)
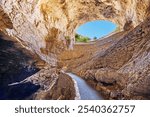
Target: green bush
point(95, 38)
point(80, 38)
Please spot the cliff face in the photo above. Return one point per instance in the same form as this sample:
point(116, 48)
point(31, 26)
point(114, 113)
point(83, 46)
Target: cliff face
point(43, 25)
point(119, 63)
point(125, 64)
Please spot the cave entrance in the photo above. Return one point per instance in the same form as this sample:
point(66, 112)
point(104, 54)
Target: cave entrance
point(94, 30)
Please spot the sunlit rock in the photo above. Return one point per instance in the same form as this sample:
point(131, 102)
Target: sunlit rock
point(47, 28)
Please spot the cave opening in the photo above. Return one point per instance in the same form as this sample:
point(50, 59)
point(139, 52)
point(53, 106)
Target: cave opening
point(93, 30)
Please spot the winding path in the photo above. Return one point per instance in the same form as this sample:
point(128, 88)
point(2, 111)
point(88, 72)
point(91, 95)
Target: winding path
point(85, 90)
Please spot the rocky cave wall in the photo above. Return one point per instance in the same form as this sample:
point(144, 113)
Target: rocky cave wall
point(125, 64)
point(23, 75)
point(47, 28)
point(44, 26)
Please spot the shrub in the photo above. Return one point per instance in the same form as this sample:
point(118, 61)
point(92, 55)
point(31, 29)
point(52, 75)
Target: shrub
point(80, 38)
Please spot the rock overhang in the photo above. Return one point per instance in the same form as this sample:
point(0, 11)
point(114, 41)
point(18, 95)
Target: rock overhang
point(43, 25)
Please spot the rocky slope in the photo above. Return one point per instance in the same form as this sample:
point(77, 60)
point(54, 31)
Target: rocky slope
point(54, 85)
point(119, 68)
point(118, 64)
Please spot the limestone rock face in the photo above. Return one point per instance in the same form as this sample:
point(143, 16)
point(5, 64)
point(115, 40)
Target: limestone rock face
point(47, 28)
point(5, 21)
point(43, 25)
point(126, 62)
point(107, 76)
point(54, 85)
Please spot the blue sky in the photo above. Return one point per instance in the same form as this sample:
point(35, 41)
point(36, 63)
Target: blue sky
point(98, 28)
